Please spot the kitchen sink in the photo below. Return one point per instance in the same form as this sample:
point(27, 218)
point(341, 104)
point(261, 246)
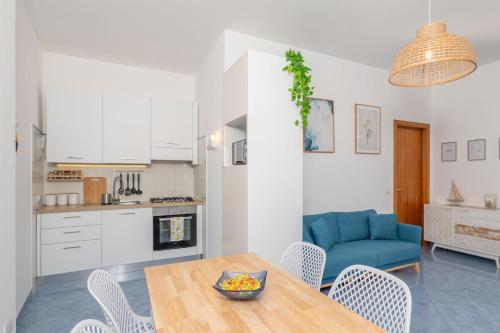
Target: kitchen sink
point(130, 202)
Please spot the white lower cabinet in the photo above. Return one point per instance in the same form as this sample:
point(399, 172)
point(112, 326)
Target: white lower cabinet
point(69, 257)
point(69, 242)
point(127, 236)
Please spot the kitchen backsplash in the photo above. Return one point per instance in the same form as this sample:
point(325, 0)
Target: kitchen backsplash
point(158, 179)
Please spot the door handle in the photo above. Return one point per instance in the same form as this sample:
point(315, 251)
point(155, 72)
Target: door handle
point(398, 189)
point(71, 247)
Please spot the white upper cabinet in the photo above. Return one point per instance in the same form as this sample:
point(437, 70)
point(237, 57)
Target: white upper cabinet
point(126, 128)
point(172, 129)
point(74, 125)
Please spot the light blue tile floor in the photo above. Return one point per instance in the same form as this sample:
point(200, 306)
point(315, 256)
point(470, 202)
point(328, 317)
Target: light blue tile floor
point(453, 293)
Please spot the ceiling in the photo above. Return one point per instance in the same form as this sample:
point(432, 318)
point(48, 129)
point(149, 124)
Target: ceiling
point(176, 35)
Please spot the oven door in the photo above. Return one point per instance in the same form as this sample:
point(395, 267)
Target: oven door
point(174, 231)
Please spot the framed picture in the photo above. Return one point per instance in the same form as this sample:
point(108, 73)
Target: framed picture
point(319, 136)
point(476, 150)
point(368, 129)
point(448, 152)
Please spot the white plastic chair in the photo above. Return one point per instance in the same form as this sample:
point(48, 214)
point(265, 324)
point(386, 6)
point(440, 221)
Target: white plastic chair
point(117, 311)
point(91, 326)
point(306, 262)
point(375, 295)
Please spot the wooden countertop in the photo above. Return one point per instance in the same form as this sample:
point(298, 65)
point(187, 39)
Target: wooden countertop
point(94, 207)
point(183, 300)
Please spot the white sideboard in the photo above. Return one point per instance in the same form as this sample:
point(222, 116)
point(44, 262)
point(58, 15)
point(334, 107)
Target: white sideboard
point(472, 230)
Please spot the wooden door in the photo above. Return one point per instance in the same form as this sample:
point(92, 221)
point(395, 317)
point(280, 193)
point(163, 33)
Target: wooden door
point(411, 171)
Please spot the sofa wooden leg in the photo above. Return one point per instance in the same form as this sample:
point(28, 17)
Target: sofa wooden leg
point(416, 267)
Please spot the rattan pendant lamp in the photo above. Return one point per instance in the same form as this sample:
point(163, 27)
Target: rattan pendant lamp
point(434, 57)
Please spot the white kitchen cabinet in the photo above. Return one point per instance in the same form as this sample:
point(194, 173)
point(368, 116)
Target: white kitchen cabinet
point(68, 242)
point(126, 128)
point(172, 129)
point(127, 236)
point(74, 125)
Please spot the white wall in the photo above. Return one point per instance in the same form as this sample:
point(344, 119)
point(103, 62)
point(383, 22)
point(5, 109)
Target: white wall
point(345, 180)
point(28, 112)
point(7, 162)
point(463, 110)
point(63, 70)
point(339, 181)
point(275, 159)
point(208, 94)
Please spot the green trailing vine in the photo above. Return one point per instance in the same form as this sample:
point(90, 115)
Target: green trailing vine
point(301, 89)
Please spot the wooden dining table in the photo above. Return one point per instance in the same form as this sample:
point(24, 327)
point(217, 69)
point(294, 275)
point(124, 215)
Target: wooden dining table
point(183, 300)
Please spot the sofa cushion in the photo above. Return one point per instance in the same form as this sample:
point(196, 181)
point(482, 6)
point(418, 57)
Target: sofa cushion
point(331, 221)
point(386, 251)
point(340, 257)
point(354, 225)
point(321, 234)
point(383, 226)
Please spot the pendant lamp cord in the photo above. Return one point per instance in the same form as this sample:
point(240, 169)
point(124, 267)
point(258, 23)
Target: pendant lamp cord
point(429, 17)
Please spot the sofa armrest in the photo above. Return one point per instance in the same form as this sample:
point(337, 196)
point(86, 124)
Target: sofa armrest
point(410, 233)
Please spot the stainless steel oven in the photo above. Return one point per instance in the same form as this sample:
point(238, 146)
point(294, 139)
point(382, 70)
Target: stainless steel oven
point(174, 227)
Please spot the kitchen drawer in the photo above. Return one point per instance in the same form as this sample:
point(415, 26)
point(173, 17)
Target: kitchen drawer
point(171, 154)
point(70, 234)
point(70, 257)
point(74, 219)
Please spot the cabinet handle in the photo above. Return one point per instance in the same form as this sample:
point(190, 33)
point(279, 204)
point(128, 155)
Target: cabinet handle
point(127, 158)
point(71, 247)
point(73, 217)
point(127, 213)
point(72, 232)
point(74, 158)
point(172, 143)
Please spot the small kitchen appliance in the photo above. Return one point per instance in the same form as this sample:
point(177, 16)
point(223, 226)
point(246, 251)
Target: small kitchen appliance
point(240, 152)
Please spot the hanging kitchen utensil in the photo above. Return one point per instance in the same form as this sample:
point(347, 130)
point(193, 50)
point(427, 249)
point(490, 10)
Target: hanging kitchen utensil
point(121, 190)
point(127, 190)
point(133, 190)
point(139, 192)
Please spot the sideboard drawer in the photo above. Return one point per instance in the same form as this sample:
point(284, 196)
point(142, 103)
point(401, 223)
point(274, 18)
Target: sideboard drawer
point(69, 257)
point(71, 234)
point(61, 220)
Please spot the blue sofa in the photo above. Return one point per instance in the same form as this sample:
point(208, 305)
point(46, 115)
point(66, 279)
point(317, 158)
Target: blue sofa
point(352, 233)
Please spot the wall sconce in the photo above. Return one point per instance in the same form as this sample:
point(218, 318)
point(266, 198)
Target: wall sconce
point(214, 140)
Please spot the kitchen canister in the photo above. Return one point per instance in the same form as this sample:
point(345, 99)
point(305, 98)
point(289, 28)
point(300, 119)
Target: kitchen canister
point(50, 199)
point(73, 199)
point(62, 199)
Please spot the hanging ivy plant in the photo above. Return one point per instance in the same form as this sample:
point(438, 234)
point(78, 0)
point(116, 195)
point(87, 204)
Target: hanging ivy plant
point(301, 89)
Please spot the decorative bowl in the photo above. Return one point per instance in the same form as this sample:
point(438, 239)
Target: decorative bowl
point(241, 294)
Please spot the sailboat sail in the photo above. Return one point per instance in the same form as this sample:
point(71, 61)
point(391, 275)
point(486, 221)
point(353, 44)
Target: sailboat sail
point(454, 195)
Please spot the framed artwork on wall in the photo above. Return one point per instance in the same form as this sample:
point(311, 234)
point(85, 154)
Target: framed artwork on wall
point(449, 151)
point(368, 129)
point(319, 136)
point(476, 150)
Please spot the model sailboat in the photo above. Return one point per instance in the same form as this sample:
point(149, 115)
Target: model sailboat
point(454, 197)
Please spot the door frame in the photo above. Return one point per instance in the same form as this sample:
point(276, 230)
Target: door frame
point(425, 128)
